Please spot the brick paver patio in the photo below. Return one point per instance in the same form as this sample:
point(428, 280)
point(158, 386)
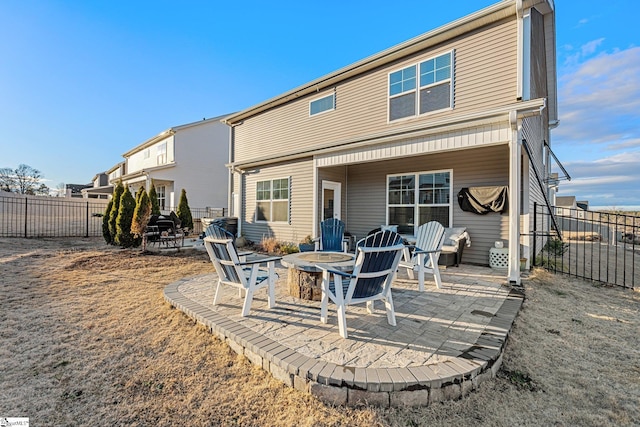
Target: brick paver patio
point(445, 343)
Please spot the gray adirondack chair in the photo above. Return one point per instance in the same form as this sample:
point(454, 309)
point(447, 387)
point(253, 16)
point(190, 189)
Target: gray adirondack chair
point(248, 276)
point(424, 257)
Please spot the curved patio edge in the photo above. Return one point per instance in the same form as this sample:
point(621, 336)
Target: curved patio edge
point(344, 385)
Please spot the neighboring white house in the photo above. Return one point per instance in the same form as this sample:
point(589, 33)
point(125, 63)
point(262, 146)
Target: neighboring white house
point(100, 189)
point(190, 157)
point(568, 206)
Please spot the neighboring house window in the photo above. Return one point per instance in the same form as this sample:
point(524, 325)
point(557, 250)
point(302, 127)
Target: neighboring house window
point(162, 153)
point(421, 88)
point(146, 153)
point(417, 198)
point(162, 196)
point(272, 200)
point(321, 105)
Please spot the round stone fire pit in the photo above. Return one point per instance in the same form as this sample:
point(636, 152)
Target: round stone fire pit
point(304, 278)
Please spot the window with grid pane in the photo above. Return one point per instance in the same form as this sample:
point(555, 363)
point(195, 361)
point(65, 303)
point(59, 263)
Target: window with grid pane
point(421, 88)
point(161, 153)
point(410, 205)
point(272, 200)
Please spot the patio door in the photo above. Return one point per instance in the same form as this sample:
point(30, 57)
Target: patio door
point(331, 197)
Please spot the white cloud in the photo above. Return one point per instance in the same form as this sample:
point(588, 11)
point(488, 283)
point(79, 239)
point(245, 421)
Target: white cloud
point(599, 100)
point(589, 48)
point(625, 144)
point(624, 165)
point(601, 180)
point(611, 180)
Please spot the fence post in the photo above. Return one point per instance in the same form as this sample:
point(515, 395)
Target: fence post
point(87, 229)
point(535, 228)
point(26, 202)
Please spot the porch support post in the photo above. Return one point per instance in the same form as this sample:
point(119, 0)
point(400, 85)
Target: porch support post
point(515, 165)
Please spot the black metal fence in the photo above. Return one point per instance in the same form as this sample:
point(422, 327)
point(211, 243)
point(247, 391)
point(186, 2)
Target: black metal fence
point(33, 216)
point(198, 213)
point(599, 246)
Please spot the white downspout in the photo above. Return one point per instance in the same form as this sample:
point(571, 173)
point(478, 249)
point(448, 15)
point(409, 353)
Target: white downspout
point(230, 182)
point(314, 204)
point(520, 58)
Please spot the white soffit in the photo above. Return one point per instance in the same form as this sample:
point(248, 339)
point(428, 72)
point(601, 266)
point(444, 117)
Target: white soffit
point(481, 135)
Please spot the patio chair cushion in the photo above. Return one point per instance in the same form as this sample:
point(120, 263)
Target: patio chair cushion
point(452, 236)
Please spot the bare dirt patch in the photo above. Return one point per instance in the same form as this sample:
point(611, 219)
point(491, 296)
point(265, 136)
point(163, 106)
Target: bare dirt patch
point(87, 339)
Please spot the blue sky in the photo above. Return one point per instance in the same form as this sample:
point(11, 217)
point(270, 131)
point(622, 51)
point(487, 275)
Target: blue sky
point(83, 82)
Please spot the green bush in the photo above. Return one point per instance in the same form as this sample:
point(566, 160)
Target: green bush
point(124, 237)
point(113, 215)
point(153, 198)
point(555, 247)
point(183, 211)
point(288, 248)
point(273, 246)
point(141, 216)
point(105, 223)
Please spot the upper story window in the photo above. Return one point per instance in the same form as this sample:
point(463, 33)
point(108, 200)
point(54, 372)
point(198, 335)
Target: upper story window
point(161, 154)
point(421, 88)
point(272, 200)
point(146, 153)
point(323, 104)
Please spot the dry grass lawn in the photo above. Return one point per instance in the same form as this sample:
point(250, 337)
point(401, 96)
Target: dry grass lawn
point(87, 339)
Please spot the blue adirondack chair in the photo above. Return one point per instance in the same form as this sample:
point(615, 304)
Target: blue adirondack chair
point(373, 272)
point(331, 236)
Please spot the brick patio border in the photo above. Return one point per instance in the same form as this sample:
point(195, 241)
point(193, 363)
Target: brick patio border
point(344, 385)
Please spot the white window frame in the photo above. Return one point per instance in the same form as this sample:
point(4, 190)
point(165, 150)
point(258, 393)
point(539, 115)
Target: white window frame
point(333, 104)
point(161, 192)
point(271, 200)
point(418, 87)
point(161, 153)
point(416, 204)
point(146, 153)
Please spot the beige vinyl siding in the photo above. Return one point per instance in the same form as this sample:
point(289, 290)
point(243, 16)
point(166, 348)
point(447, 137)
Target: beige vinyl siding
point(550, 61)
point(485, 78)
point(486, 69)
point(534, 132)
point(534, 128)
point(538, 60)
point(471, 168)
point(301, 201)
